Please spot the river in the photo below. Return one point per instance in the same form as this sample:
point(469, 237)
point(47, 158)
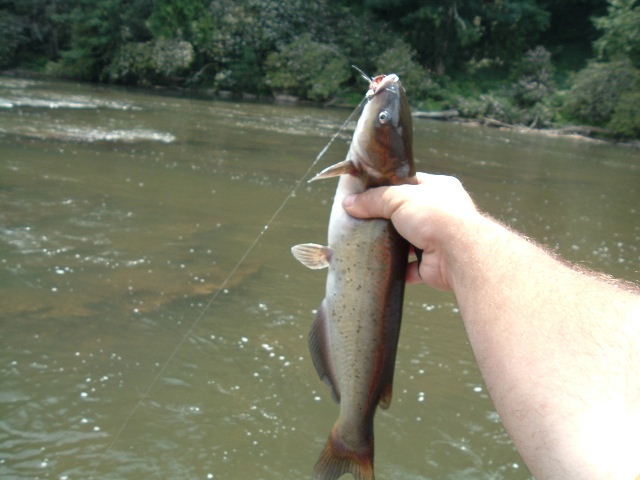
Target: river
point(141, 340)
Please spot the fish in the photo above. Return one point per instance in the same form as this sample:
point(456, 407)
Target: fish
point(354, 337)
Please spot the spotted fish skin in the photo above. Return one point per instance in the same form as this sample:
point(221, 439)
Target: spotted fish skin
point(353, 340)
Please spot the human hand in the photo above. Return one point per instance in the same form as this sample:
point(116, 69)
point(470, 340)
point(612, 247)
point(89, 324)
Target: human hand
point(428, 215)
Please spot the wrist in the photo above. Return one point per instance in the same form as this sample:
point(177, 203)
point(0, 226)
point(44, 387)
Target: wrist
point(473, 245)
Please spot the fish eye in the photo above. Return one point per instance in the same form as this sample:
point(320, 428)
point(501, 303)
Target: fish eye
point(384, 117)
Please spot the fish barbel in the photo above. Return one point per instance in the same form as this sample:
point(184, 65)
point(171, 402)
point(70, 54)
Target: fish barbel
point(353, 340)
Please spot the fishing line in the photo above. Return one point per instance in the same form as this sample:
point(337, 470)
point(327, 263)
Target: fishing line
point(225, 282)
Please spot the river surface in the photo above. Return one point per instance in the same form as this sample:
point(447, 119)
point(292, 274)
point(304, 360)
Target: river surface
point(141, 340)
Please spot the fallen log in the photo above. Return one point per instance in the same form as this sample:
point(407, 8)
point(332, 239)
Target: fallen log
point(437, 115)
point(585, 130)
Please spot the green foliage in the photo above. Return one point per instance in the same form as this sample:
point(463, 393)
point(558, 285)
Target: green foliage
point(607, 93)
point(512, 26)
point(485, 106)
point(132, 64)
point(11, 34)
point(476, 56)
point(528, 100)
point(232, 38)
point(625, 120)
point(244, 73)
point(400, 58)
point(598, 89)
point(176, 18)
point(534, 78)
point(501, 107)
point(620, 31)
point(98, 30)
point(307, 68)
point(449, 33)
point(445, 27)
point(156, 61)
point(32, 31)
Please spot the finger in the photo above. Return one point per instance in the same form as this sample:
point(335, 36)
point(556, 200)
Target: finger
point(369, 204)
point(423, 177)
point(413, 273)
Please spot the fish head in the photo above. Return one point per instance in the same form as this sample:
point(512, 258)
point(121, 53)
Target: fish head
point(382, 150)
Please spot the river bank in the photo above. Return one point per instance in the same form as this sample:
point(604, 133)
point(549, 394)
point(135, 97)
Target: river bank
point(346, 101)
point(578, 132)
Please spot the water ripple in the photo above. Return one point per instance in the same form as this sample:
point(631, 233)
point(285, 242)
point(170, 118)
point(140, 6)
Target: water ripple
point(66, 101)
point(90, 134)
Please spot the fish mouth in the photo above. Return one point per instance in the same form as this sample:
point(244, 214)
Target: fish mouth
point(381, 83)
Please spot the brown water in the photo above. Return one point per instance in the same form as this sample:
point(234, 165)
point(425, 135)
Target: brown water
point(128, 353)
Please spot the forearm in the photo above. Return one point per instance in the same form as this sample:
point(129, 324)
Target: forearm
point(559, 351)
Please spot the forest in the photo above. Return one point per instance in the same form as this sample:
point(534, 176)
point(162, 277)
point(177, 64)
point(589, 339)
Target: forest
point(538, 63)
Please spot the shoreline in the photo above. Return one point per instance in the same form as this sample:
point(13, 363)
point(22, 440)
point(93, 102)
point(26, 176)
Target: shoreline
point(577, 132)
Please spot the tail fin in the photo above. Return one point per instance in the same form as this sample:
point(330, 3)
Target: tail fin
point(337, 458)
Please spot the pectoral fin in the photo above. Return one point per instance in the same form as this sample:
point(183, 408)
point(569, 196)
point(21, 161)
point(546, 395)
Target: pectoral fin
point(346, 166)
point(312, 255)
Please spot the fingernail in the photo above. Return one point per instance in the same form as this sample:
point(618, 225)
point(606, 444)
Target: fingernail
point(349, 200)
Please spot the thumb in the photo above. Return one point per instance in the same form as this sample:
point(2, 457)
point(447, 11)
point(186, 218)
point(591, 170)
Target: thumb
point(368, 204)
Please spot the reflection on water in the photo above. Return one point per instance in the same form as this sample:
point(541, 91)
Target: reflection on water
point(129, 351)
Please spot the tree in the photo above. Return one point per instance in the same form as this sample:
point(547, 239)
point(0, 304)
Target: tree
point(98, 30)
point(436, 30)
point(158, 61)
point(533, 77)
point(176, 18)
point(32, 30)
point(607, 92)
point(11, 34)
point(448, 33)
point(597, 90)
point(511, 27)
point(620, 31)
point(307, 68)
point(399, 58)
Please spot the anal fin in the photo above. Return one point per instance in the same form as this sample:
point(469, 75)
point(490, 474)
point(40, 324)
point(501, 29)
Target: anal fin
point(319, 348)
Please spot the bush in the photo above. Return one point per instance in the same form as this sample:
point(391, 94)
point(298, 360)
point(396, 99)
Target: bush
point(528, 100)
point(156, 61)
point(243, 74)
point(597, 90)
point(625, 120)
point(171, 57)
point(503, 109)
point(491, 106)
point(533, 78)
point(400, 59)
point(307, 69)
point(131, 64)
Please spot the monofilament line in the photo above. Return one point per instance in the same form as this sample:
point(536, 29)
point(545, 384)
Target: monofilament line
point(225, 282)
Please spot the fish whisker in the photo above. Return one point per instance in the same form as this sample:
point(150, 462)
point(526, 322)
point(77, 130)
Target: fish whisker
point(362, 74)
